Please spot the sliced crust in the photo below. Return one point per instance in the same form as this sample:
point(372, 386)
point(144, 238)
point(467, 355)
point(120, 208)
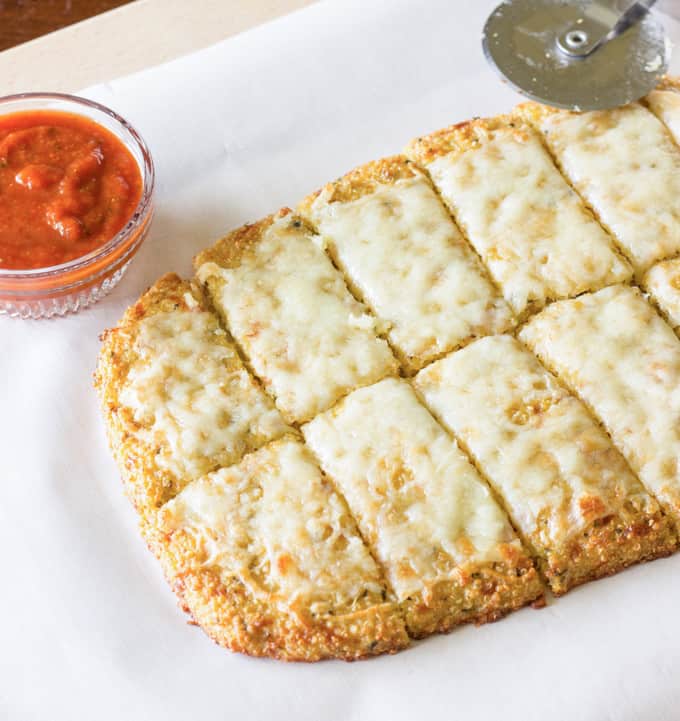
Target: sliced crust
point(536, 237)
point(401, 253)
point(176, 398)
point(305, 336)
point(228, 251)
point(462, 137)
point(267, 560)
point(567, 489)
point(626, 167)
point(620, 357)
point(362, 181)
point(474, 593)
point(299, 582)
point(448, 551)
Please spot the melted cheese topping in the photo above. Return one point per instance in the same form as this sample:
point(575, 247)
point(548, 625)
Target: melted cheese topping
point(554, 467)
point(526, 223)
point(191, 396)
point(625, 165)
point(275, 523)
point(417, 499)
point(624, 361)
point(400, 248)
point(665, 104)
point(663, 283)
point(306, 337)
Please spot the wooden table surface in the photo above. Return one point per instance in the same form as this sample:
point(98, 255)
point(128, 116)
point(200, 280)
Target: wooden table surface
point(124, 40)
point(23, 20)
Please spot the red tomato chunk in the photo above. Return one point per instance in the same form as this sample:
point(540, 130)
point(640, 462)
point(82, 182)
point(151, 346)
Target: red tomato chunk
point(67, 186)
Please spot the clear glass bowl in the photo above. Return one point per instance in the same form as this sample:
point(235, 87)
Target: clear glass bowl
point(71, 286)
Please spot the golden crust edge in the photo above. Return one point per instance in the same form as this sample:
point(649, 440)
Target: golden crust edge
point(229, 614)
point(361, 181)
point(464, 136)
point(609, 545)
point(147, 486)
point(228, 251)
point(478, 593)
point(139, 473)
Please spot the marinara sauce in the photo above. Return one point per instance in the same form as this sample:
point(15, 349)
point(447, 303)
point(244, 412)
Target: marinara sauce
point(67, 186)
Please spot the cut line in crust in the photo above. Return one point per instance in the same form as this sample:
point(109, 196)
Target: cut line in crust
point(448, 550)
point(176, 398)
point(267, 560)
point(622, 359)
point(306, 337)
point(566, 488)
point(261, 547)
point(530, 229)
point(626, 167)
point(385, 227)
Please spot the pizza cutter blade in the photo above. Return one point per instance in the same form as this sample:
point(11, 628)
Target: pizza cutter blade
point(577, 54)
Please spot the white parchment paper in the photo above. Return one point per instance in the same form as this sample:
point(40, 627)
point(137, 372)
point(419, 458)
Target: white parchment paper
point(89, 629)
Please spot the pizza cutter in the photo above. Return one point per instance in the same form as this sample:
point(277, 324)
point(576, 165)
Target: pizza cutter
point(577, 54)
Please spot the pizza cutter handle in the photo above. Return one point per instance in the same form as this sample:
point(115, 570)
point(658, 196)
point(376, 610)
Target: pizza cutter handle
point(635, 12)
point(589, 34)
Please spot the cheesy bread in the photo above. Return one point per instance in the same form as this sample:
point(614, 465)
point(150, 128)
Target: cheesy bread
point(268, 561)
point(177, 398)
point(531, 230)
point(623, 360)
point(626, 167)
point(567, 489)
point(307, 339)
point(448, 551)
point(430, 395)
point(398, 247)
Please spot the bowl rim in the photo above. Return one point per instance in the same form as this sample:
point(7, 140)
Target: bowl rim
point(140, 213)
